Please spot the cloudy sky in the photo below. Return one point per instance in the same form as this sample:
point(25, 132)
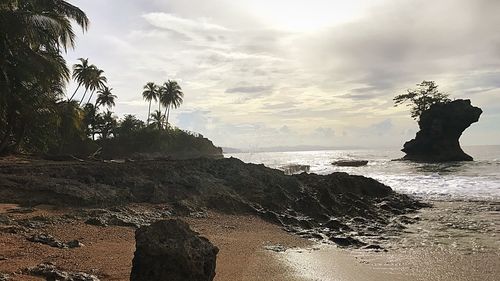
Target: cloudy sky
point(261, 73)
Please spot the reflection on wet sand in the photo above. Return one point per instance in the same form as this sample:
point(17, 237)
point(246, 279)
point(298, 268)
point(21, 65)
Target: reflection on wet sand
point(454, 241)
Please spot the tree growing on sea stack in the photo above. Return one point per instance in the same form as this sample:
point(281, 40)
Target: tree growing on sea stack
point(421, 98)
point(441, 123)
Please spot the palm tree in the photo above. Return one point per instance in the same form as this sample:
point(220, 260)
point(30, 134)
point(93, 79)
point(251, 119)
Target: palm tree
point(150, 93)
point(90, 119)
point(81, 74)
point(107, 124)
point(158, 119)
point(97, 81)
point(71, 120)
point(161, 93)
point(105, 97)
point(172, 96)
point(130, 124)
point(33, 34)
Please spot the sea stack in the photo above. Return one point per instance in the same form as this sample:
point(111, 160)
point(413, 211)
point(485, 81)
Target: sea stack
point(440, 129)
point(170, 250)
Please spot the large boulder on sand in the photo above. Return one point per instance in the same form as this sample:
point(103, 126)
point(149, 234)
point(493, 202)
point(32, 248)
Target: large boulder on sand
point(169, 250)
point(440, 129)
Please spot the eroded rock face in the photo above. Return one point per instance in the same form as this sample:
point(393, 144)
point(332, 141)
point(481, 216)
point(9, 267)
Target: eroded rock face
point(304, 204)
point(170, 250)
point(440, 129)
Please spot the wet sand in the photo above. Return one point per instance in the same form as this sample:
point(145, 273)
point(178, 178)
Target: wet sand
point(454, 241)
point(419, 254)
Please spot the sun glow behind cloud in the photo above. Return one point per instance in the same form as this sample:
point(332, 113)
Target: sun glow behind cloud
point(304, 16)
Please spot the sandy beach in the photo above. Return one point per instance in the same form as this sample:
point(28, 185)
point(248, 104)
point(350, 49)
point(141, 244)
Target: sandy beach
point(108, 251)
point(250, 249)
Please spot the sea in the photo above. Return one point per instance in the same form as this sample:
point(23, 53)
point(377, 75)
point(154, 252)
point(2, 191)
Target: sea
point(475, 180)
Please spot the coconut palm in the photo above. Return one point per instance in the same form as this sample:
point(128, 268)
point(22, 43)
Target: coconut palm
point(90, 119)
point(81, 74)
point(97, 81)
point(172, 97)
point(158, 119)
point(107, 124)
point(33, 33)
point(105, 97)
point(150, 93)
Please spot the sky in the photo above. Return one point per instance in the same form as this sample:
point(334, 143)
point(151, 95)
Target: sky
point(264, 73)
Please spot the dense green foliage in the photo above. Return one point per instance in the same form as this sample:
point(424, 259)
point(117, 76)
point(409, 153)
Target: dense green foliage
point(33, 73)
point(421, 98)
point(35, 116)
point(133, 139)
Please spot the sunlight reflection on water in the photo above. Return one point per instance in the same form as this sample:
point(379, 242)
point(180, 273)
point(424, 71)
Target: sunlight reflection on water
point(479, 179)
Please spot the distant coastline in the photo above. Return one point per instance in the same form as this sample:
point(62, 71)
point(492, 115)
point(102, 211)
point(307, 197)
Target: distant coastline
point(298, 148)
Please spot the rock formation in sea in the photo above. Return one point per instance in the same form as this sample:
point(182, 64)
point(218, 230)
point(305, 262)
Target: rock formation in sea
point(170, 250)
point(440, 129)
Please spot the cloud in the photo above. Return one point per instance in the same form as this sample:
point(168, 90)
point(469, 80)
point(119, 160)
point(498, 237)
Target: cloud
point(249, 89)
point(249, 82)
point(324, 132)
point(172, 22)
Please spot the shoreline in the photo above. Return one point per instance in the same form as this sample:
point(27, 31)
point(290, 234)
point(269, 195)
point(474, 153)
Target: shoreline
point(453, 241)
point(252, 249)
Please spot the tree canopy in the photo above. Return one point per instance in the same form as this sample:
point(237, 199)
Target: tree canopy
point(421, 98)
point(33, 72)
point(37, 117)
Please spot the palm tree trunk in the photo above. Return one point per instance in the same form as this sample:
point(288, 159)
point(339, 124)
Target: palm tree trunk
point(168, 113)
point(21, 131)
point(91, 94)
point(4, 142)
point(149, 113)
point(85, 93)
point(8, 132)
point(79, 84)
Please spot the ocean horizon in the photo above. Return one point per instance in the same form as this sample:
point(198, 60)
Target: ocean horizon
point(464, 180)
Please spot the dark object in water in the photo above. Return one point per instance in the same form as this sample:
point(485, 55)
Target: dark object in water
point(170, 250)
point(295, 169)
point(440, 129)
point(350, 163)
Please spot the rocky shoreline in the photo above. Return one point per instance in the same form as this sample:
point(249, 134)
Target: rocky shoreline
point(344, 209)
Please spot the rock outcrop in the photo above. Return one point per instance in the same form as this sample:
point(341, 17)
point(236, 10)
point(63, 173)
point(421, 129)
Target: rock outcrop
point(304, 204)
point(170, 250)
point(440, 129)
point(50, 272)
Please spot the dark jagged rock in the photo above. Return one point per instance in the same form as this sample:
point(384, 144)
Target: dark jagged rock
point(123, 217)
point(350, 163)
point(278, 248)
point(170, 250)
point(346, 241)
point(49, 240)
point(50, 272)
point(299, 202)
point(440, 129)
